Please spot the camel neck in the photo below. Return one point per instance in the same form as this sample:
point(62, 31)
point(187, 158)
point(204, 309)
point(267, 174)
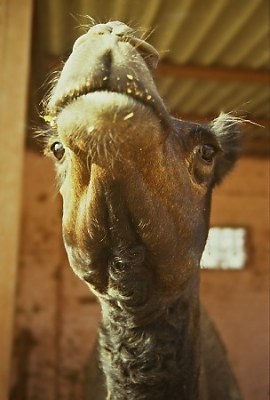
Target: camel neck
point(156, 360)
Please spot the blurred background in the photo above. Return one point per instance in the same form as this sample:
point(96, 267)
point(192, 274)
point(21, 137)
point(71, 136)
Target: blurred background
point(214, 56)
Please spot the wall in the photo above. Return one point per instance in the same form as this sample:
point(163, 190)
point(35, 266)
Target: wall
point(57, 318)
point(15, 34)
point(239, 300)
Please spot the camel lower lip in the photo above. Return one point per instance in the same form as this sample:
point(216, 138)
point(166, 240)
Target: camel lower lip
point(104, 107)
point(108, 123)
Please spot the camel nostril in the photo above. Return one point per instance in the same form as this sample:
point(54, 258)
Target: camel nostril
point(122, 30)
point(147, 51)
point(101, 29)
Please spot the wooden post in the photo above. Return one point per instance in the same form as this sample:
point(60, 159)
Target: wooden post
point(15, 40)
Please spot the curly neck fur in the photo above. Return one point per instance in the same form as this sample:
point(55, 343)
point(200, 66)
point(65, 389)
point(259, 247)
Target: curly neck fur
point(153, 356)
point(149, 345)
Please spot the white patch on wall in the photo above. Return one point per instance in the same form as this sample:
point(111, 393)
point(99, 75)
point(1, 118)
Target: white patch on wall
point(225, 249)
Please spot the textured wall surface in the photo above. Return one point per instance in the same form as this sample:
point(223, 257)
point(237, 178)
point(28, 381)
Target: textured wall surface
point(15, 34)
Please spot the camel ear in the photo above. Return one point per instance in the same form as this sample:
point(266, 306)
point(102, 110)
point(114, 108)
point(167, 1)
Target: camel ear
point(226, 129)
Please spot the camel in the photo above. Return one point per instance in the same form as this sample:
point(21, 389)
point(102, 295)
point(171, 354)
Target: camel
point(136, 186)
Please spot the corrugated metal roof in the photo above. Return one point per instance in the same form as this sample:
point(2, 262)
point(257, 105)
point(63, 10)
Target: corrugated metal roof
point(210, 34)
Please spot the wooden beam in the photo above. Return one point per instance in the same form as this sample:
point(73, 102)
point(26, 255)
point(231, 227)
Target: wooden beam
point(15, 39)
point(213, 73)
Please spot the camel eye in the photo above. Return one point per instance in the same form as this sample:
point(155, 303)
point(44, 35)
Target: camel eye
point(207, 153)
point(58, 150)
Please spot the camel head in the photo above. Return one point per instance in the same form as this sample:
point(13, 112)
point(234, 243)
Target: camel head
point(136, 182)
